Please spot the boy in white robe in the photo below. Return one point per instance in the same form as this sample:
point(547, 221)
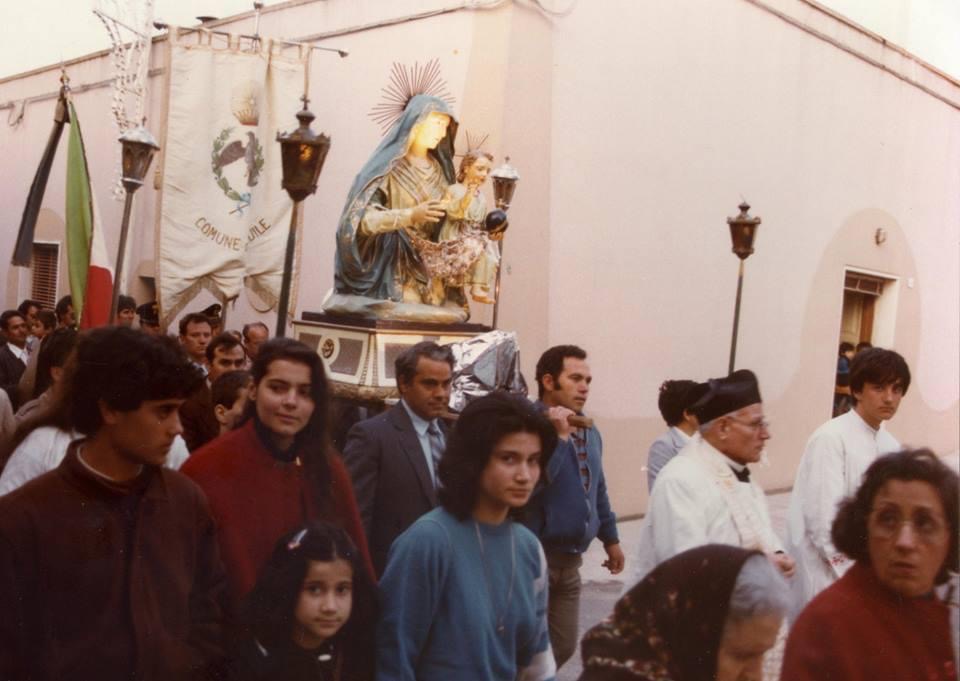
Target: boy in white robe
point(833, 464)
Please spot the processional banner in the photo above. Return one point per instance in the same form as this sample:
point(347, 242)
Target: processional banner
point(224, 218)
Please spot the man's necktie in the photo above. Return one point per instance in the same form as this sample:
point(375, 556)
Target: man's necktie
point(436, 450)
point(743, 475)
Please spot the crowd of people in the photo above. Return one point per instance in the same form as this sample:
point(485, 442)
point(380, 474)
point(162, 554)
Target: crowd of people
point(174, 508)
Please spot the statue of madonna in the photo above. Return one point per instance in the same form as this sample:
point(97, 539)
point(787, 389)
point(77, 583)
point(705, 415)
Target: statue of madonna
point(399, 196)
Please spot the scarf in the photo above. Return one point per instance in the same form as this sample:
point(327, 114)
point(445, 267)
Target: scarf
point(668, 627)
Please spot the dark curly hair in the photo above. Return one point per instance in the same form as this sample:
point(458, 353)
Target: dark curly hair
point(480, 427)
point(849, 531)
point(268, 610)
point(880, 367)
point(124, 368)
point(551, 362)
point(55, 349)
point(677, 397)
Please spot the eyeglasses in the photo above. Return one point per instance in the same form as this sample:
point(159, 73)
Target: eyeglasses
point(753, 425)
point(886, 524)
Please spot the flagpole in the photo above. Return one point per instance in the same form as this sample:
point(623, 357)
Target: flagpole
point(118, 274)
point(138, 148)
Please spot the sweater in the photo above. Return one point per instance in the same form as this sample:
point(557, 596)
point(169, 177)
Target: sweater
point(256, 498)
point(444, 593)
point(859, 630)
point(105, 580)
point(564, 515)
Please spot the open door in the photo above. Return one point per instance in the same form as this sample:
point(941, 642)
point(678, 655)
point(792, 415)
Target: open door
point(867, 318)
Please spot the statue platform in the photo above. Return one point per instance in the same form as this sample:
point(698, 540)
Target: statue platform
point(358, 353)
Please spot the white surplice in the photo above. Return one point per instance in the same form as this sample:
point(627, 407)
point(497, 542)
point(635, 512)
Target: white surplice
point(834, 461)
point(698, 500)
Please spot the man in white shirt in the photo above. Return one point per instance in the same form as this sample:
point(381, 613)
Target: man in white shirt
point(13, 353)
point(705, 495)
point(674, 402)
point(833, 463)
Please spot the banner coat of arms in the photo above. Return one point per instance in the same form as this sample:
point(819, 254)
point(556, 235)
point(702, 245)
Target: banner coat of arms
point(223, 216)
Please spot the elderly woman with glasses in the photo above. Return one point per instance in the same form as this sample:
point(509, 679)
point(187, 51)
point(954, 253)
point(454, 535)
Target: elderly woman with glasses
point(884, 619)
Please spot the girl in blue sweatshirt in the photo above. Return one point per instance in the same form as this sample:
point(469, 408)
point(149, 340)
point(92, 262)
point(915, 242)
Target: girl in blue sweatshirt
point(464, 593)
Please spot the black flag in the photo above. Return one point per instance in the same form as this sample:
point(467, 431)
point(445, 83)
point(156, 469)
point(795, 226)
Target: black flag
point(23, 251)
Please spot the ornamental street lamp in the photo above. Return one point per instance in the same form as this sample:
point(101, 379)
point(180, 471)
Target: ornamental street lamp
point(743, 230)
point(138, 147)
point(505, 178)
point(302, 153)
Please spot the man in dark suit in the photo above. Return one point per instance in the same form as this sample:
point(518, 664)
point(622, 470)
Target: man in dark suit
point(200, 424)
point(393, 456)
point(13, 353)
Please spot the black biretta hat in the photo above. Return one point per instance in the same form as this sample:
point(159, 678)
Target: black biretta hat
point(724, 395)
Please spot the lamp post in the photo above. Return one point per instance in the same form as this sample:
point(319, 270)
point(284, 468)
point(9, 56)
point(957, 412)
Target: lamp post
point(743, 230)
point(505, 178)
point(138, 148)
point(302, 153)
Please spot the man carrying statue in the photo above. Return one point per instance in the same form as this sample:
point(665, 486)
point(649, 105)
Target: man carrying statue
point(390, 260)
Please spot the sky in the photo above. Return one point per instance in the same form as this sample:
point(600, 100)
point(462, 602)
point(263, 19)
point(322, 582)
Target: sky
point(50, 30)
point(46, 31)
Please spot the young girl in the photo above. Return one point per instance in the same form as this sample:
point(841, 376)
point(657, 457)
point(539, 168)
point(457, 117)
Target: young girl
point(312, 613)
point(464, 593)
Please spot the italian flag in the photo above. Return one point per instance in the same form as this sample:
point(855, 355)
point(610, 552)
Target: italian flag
point(91, 276)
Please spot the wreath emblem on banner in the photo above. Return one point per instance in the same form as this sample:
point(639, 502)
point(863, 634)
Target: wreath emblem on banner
point(224, 154)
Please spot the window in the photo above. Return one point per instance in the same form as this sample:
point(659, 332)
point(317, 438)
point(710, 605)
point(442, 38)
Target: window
point(44, 270)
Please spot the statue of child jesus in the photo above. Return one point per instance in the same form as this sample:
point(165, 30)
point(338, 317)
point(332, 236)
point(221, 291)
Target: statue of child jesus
point(466, 211)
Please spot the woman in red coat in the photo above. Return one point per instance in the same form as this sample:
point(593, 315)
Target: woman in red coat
point(276, 472)
point(884, 619)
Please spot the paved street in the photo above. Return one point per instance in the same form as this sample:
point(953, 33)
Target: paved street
point(601, 590)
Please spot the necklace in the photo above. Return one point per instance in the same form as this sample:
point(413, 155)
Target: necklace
point(486, 577)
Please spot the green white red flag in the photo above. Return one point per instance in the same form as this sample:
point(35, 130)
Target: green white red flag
point(91, 276)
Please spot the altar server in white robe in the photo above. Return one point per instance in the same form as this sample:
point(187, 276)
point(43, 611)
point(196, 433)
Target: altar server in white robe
point(833, 464)
point(704, 495)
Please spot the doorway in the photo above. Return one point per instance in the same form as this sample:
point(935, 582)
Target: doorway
point(867, 318)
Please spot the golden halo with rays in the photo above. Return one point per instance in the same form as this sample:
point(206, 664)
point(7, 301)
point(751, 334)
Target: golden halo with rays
point(405, 83)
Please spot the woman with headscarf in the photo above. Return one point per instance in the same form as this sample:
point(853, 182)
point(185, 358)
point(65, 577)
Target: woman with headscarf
point(707, 614)
point(883, 619)
point(398, 192)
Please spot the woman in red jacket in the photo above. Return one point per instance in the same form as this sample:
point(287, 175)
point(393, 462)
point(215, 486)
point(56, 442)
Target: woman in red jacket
point(884, 619)
point(276, 472)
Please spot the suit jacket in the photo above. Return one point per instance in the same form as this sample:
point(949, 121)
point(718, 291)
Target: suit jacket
point(391, 479)
point(662, 450)
point(11, 368)
point(200, 424)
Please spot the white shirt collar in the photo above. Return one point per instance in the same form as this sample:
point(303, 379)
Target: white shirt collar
point(419, 423)
point(679, 433)
point(874, 432)
point(19, 353)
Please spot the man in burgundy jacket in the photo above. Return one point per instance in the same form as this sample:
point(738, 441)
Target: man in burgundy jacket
point(109, 564)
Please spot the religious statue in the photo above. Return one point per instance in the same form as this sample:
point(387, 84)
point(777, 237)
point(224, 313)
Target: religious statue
point(400, 196)
point(476, 268)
